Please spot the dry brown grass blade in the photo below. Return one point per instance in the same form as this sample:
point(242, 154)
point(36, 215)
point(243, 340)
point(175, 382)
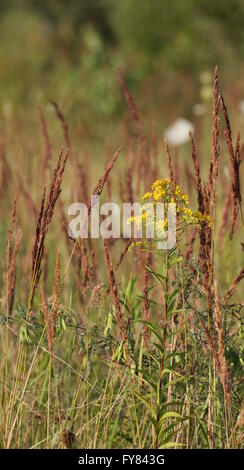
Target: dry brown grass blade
point(224, 372)
point(169, 162)
point(234, 285)
point(63, 122)
point(44, 219)
point(123, 253)
point(51, 315)
point(81, 252)
point(129, 176)
point(9, 275)
point(215, 153)
point(205, 235)
point(225, 218)
point(46, 314)
point(56, 287)
point(114, 293)
point(102, 181)
point(198, 181)
point(130, 101)
point(47, 153)
point(212, 347)
point(94, 292)
point(189, 251)
point(235, 161)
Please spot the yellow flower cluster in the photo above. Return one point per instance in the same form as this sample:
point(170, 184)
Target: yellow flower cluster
point(138, 219)
point(168, 192)
point(180, 195)
point(147, 214)
point(138, 243)
point(195, 217)
point(147, 196)
point(164, 189)
point(161, 225)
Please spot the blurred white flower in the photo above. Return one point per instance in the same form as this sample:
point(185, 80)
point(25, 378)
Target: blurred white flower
point(206, 85)
point(199, 109)
point(178, 133)
point(226, 172)
point(241, 106)
point(206, 93)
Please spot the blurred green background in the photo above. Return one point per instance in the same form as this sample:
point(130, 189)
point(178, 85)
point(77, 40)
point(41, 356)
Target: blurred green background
point(69, 50)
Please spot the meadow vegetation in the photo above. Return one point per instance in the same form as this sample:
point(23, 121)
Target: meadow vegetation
point(114, 343)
